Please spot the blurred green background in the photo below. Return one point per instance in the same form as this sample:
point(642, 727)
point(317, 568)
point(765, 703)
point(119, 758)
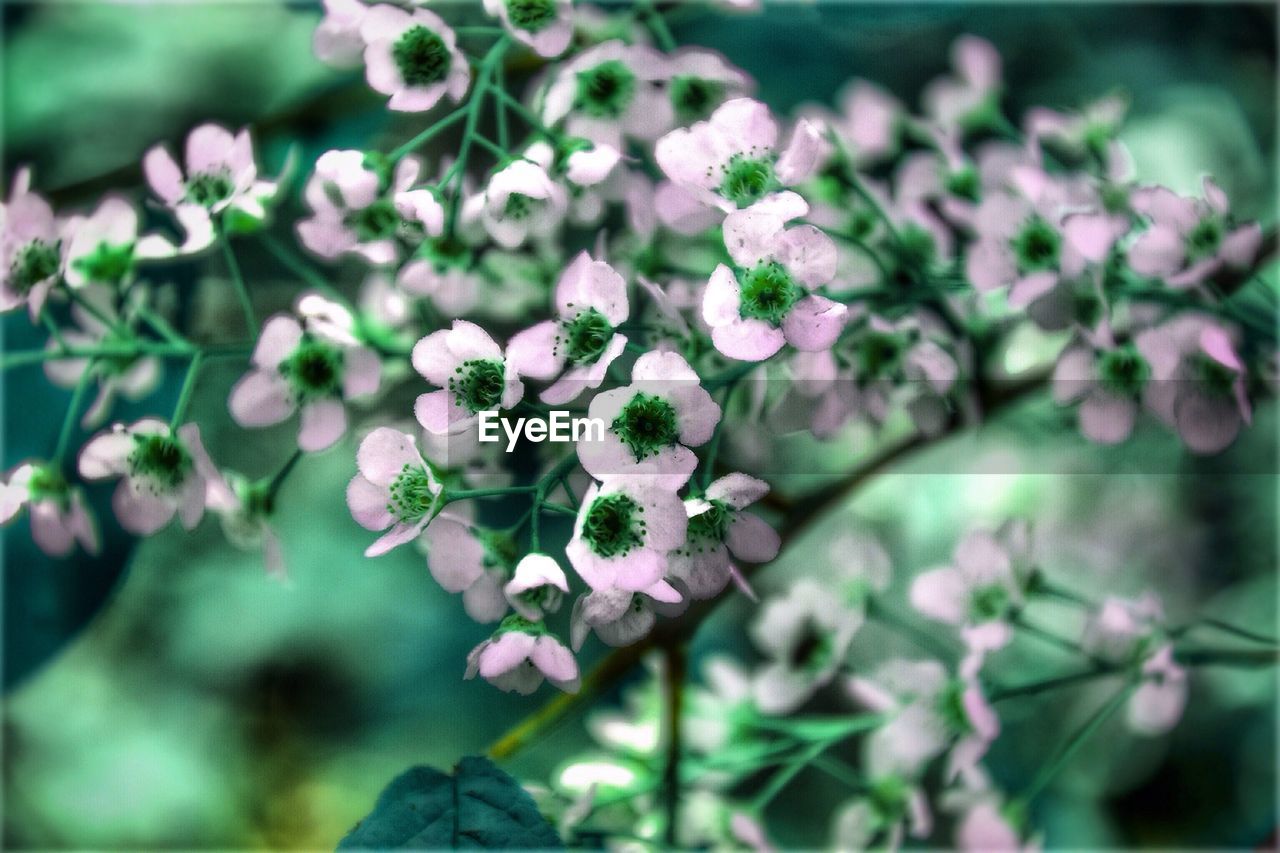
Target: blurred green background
point(168, 694)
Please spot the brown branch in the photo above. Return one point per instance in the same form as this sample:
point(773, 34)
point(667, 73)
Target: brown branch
point(808, 510)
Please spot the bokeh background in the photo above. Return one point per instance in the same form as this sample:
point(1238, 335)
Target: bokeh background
point(167, 694)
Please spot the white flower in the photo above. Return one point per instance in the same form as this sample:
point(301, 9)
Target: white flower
point(104, 246)
point(413, 57)
point(518, 656)
point(537, 586)
point(475, 563)
point(805, 634)
point(619, 617)
point(701, 80)
point(768, 301)
point(395, 489)
point(33, 247)
point(977, 593)
point(624, 531)
point(353, 212)
point(221, 181)
point(241, 506)
point(297, 368)
point(59, 518)
point(591, 301)
point(544, 25)
point(133, 377)
point(651, 423)
point(607, 92)
point(472, 374)
point(337, 40)
point(160, 473)
point(520, 203)
point(719, 530)
point(929, 712)
point(731, 160)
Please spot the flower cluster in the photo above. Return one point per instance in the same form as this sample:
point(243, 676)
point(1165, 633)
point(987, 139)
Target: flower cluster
point(631, 233)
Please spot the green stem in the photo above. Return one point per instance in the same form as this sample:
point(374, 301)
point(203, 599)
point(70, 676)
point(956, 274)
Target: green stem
point(427, 135)
point(300, 268)
point(458, 169)
point(504, 133)
point(1242, 633)
point(273, 488)
point(783, 777)
point(233, 268)
point(530, 118)
point(162, 327)
point(188, 386)
point(73, 409)
point(657, 25)
point(1035, 687)
point(1077, 740)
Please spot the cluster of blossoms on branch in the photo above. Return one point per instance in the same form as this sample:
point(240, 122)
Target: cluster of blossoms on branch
point(628, 231)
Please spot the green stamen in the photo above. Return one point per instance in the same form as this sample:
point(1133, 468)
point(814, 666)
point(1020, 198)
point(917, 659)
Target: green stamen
point(614, 526)
point(478, 384)
point(606, 90)
point(768, 292)
point(585, 337)
point(647, 425)
point(421, 56)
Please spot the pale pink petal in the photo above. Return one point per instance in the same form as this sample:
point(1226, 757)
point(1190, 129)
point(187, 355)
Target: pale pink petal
point(1106, 418)
point(941, 594)
point(814, 323)
point(323, 423)
point(751, 539)
point(163, 174)
point(280, 337)
point(261, 398)
point(368, 504)
point(362, 372)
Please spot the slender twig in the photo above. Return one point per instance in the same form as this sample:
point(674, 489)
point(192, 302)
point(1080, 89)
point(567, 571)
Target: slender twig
point(1077, 739)
point(427, 135)
point(188, 386)
point(73, 410)
point(233, 269)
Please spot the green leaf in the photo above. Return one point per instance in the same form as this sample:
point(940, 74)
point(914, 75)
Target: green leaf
point(478, 806)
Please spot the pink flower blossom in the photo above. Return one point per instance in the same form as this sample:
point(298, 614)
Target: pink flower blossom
point(1190, 240)
point(59, 518)
point(1197, 384)
point(221, 181)
point(475, 563)
point(472, 374)
point(625, 529)
point(651, 423)
point(731, 161)
point(546, 26)
point(805, 634)
point(352, 211)
point(591, 302)
point(767, 302)
point(413, 57)
point(519, 655)
point(607, 93)
point(719, 531)
point(536, 587)
point(160, 473)
point(33, 247)
point(966, 98)
point(619, 617)
point(394, 489)
point(296, 367)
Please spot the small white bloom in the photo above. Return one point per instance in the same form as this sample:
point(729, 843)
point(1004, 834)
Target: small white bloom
point(519, 655)
point(471, 373)
point(413, 57)
point(625, 529)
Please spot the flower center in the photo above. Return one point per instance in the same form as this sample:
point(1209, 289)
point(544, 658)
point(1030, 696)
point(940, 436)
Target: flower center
point(1123, 371)
point(694, 97)
point(646, 425)
point(478, 384)
point(880, 354)
point(708, 529)
point(988, 603)
point(606, 90)
point(106, 264)
point(1214, 376)
point(421, 56)
point(1203, 240)
point(161, 459)
point(613, 526)
point(747, 179)
point(585, 337)
point(378, 221)
point(888, 798)
point(413, 493)
point(1036, 246)
point(519, 206)
point(812, 651)
point(314, 369)
point(531, 15)
point(768, 293)
point(34, 263)
point(47, 483)
point(963, 183)
point(951, 708)
point(209, 188)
